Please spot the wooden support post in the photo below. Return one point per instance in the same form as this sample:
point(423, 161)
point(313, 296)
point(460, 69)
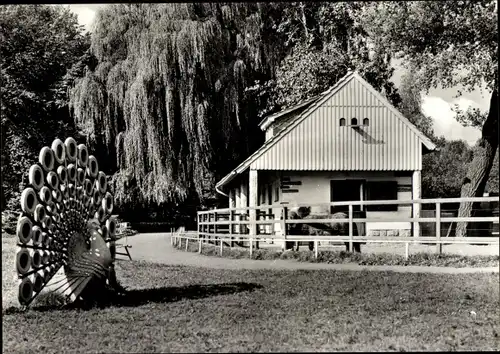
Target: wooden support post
point(351, 230)
point(207, 226)
point(216, 218)
point(187, 242)
point(415, 182)
point(361, 196)
point(231, 228)
point(407, 250)
point(316, 249)
point(232, 205)
point(438, 229)
point(251, 246)
point(253, 195)
point(205, 235)
point(244, 204)
point(237, 193)
point(220, 246)
point(199, 246)
point(284, 212)
point(210, 226)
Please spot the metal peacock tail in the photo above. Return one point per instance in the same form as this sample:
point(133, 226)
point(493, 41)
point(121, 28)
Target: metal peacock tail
point(65, 231)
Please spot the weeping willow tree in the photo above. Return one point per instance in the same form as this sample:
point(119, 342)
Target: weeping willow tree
point(166, 97)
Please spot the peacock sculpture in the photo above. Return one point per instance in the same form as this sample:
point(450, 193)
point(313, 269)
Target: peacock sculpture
point(66, 235)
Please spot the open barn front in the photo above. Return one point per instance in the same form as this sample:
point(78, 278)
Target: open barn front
point(274, 190)
point(254, 227)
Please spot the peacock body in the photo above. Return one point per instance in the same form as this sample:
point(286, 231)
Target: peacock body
point(65, 228)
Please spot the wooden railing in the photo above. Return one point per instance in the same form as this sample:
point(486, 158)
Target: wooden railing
point(234, 224)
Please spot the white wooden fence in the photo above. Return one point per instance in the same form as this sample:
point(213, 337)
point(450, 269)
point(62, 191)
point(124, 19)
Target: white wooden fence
point(234, 224)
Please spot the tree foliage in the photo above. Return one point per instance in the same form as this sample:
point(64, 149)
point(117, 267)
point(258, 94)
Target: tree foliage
point(411, 104)
point(323, 41)
point(38, 45)
point(453, 43)
point(443, 170)
point(167, 97)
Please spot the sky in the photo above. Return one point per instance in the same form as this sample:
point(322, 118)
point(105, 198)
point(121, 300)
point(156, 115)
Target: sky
point(437, 103)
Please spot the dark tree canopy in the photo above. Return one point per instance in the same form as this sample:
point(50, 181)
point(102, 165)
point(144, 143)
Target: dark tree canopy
point(451, 43)
point(38, 45)
point(411, 104)
point(443, 170)
point(323, 41)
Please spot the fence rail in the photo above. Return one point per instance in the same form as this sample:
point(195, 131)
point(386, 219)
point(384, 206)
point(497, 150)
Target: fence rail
point(262, 223)
point(409, 202)
point(177, 240)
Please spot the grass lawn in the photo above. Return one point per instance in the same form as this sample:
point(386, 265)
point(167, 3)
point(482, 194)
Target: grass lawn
point(9, 276)
point(187, 309)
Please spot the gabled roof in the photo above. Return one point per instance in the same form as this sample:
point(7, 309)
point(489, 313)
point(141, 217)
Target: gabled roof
point(314, 104)
point(266, 122)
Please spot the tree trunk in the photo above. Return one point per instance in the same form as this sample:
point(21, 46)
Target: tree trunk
point(303, 19)
point(479, 169)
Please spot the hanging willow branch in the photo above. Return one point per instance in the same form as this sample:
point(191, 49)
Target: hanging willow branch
point(167, 96)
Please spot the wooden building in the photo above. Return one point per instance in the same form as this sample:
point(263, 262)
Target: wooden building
point(349, 143)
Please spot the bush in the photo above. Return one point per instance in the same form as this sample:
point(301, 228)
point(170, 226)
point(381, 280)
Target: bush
point(9, 222)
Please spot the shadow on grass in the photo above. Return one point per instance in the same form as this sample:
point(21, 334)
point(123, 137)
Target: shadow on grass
point(170, 294)
point(138, 297)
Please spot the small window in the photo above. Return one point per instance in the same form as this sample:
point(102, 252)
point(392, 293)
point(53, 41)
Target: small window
point(366, 122)
point(342, 122)
point(354, 121)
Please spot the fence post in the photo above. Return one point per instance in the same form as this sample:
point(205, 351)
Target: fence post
point(231, 230)
point(220, 246)
point(210, 227)
point(187, 241)
point(205, 228)
point(315, 248)
point(351, 231)
point(407, 250)
point(251, 246)
point(201, 228)
point(257, 228)
point(216, 218)
point(283, 225)
point(199, 246)
point(438, 228)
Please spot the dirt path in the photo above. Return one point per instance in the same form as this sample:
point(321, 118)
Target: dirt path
point(156, 248)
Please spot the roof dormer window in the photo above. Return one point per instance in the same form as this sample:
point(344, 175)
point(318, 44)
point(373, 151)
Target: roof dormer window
point(366, 122)
point(342, 122)
point(354, 121)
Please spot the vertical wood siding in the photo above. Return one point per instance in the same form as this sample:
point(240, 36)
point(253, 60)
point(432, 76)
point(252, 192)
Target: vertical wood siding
point(320, 143)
